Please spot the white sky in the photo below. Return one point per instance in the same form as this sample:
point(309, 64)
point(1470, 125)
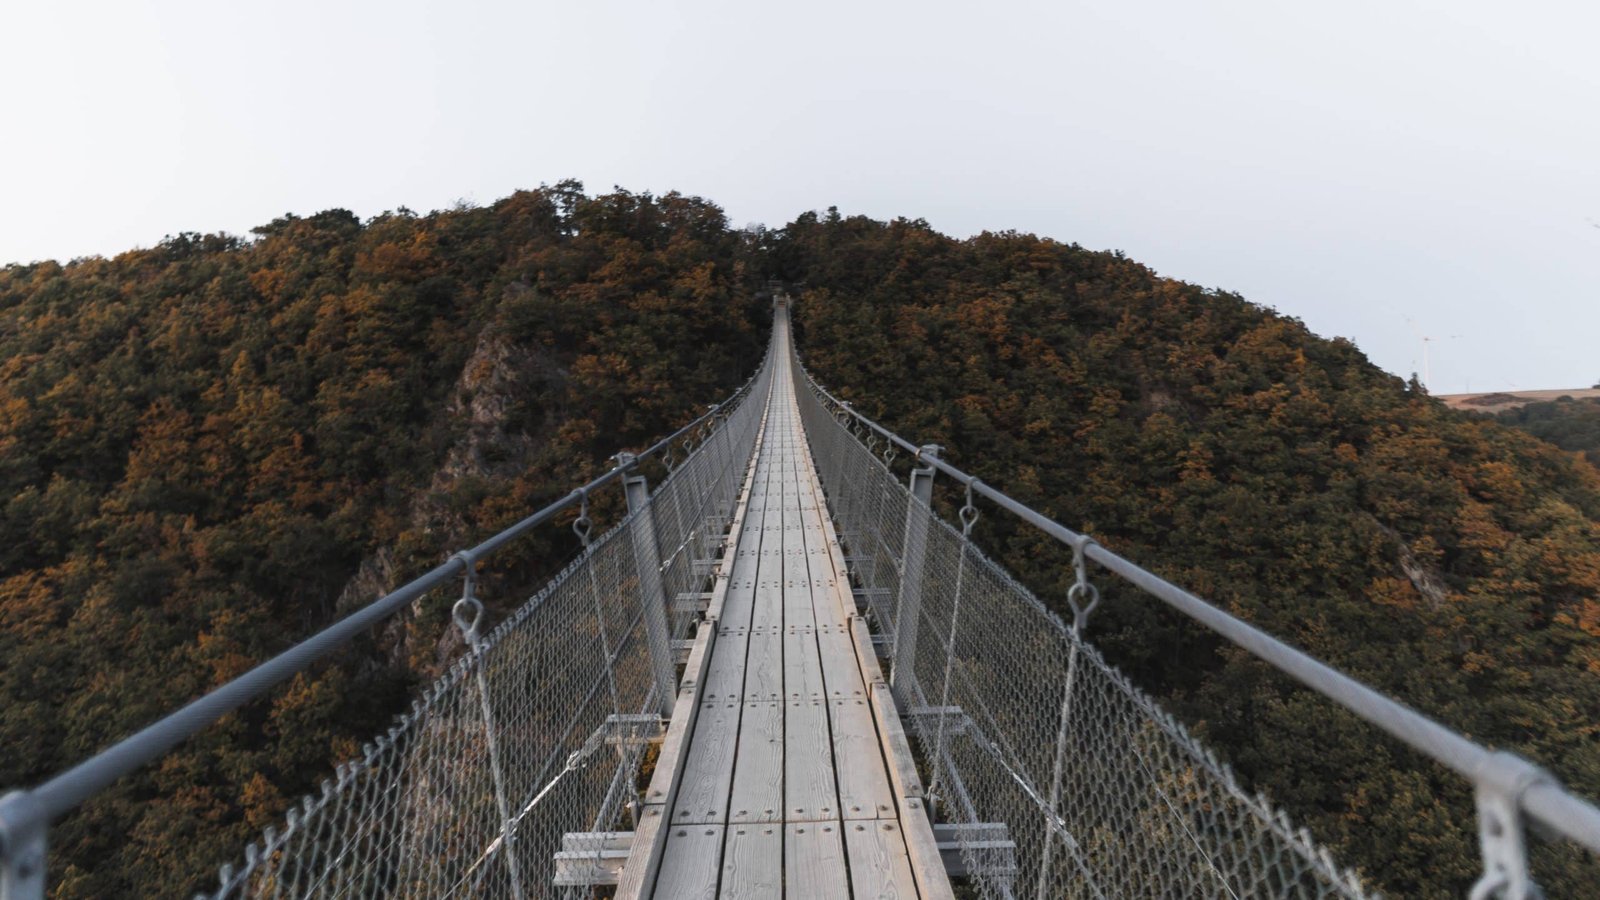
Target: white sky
point(1353, 164)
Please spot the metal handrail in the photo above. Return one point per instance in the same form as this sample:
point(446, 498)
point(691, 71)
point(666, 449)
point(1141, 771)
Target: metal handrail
point(26, 814)
point(1514, 780)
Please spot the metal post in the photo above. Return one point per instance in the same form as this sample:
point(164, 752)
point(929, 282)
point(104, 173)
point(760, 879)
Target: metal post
point(908, 608)
point(1502, 780)
point(727, 486)
point(22, 848)
point(652, 593)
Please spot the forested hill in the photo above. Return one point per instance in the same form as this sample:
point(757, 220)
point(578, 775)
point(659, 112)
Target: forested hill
point(1448, 560)
point(1570, 423)
point(210, 448)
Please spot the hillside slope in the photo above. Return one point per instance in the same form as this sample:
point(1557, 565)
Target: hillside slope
point(1571, 423)
point(209, 447)
point(1442, 557)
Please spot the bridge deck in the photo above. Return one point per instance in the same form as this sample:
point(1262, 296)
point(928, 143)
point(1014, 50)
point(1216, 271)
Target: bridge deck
point(793, 775)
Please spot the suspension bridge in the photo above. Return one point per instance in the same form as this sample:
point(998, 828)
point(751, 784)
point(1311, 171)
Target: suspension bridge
point(783, 675)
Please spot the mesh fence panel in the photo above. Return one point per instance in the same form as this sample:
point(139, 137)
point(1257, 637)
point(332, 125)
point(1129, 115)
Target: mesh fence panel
point(520, 758)
point(1056, 775)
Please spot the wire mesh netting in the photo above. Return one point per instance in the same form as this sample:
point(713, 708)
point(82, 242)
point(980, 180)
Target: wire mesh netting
point(1056, 776)
point(508, 773)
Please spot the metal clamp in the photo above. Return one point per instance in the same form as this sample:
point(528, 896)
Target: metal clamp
point(969, 512)
point(1083, 596)
point(24, 832)
point(582, 526)
point(1501, 833)
point(467, 612)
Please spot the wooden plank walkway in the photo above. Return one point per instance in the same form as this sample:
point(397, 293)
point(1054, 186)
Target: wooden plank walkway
point(782, 786)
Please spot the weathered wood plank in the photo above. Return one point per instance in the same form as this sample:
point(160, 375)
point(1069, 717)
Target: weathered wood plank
point(797, 601)
point(752, 863)
point(758, 768)
point(879, 868)
point(763, 676)
point(863, 784)
point(841, 672)
point(802, 666)
point(866, 654)
point(708, 769)
point(810, 790)
point(922, 852)
point(903, 777)
point(768, 601)
point(814, 860)
point(724, 679)
point(693, 860)
point(739, 601)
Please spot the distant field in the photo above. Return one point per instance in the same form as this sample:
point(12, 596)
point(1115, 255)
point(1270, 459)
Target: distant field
point(1499, 401)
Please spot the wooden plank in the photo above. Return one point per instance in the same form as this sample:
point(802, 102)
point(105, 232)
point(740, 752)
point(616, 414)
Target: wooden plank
point(644, 856)
point(752, 863)
point(724, 679)
point(827, 617)
point(922, 852)
point(814, 861)
point(797, 608)
point(685, 711)
point(740, 600)
point(879, 868)
point(763, 676)
point(692, 862)
point(708, 770)
point(841, 671)
point(863, 784)
point(758, 767)
point(865, 654)
point(810, 791)
point(802, 666)
point(903, 777)
point(768, 601)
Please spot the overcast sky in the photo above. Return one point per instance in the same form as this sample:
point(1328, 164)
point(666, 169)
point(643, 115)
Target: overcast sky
point(1355, 164)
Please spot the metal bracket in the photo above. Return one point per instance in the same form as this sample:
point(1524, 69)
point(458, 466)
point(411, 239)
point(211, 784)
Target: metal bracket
point(692, 603)
point(1501, 782)
point(865, 596)
point(592, 858)
point(681, 648)
point(926, 719)
point(624, 730)
point(908, 606)
point(23, 837)
point(983, 851)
